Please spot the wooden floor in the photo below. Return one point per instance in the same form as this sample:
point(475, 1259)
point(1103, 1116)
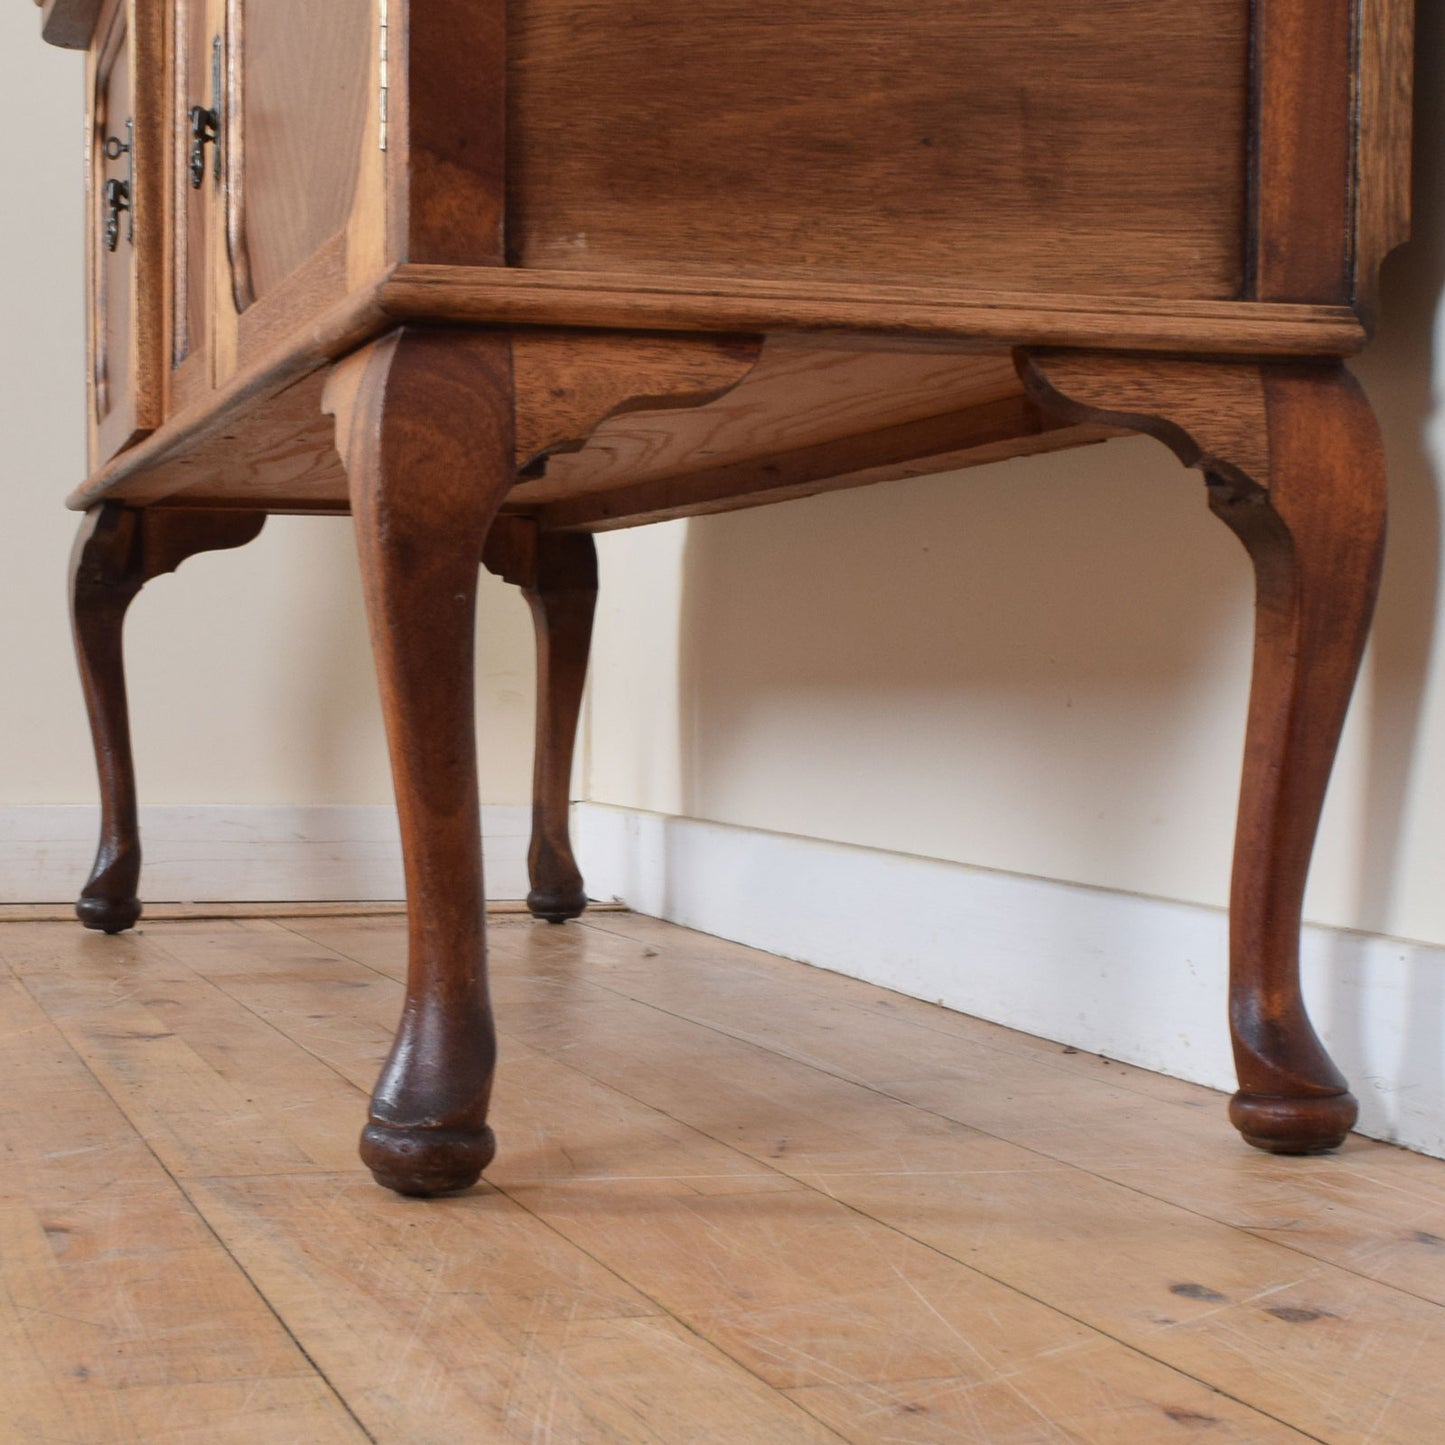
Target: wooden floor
point(737, 1200)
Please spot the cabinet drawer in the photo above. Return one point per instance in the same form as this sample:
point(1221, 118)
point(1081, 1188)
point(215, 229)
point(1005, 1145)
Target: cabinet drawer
point(125, 141)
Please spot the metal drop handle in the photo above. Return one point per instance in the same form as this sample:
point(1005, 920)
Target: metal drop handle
point(205, 130)
point(117, 195)
point(206, 124)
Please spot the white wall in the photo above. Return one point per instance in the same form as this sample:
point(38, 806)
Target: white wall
point(1039, 666)
point(250, 671)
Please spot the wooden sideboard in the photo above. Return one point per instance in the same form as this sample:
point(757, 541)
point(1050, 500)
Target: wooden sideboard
point(492, 278)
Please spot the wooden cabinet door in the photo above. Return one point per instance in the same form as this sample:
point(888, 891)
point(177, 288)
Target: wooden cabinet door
point(197, 54)
point(302, 156)
point(126, 231)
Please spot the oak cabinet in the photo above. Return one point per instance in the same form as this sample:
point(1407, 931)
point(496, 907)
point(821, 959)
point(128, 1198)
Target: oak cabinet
point(1018, 146)
point(247, 107)
point(492, 278)
point(124, 245)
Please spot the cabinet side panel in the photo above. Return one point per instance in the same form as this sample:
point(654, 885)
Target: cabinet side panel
point(448, 98)
point(1039, 145)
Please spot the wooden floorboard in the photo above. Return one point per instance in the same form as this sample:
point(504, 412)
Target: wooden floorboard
point(737, 1199)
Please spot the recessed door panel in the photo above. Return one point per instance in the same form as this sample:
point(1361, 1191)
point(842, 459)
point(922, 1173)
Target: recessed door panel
point(305, 83)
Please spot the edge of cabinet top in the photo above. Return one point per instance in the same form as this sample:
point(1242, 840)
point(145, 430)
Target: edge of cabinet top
point(903, 317)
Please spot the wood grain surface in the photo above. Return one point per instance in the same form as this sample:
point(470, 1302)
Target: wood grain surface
point(558, 578)
point(1021, 145)
point(1296, 468)
point(1302, 152)
point(679, 302)
point(738, 1198)
point(1382, 178)
point(308, 76)
point(424, 426)
point(117, 551)
point(127, 285)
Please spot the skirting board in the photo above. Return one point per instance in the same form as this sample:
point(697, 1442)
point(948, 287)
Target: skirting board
point(1141, 980)
point(220, 854)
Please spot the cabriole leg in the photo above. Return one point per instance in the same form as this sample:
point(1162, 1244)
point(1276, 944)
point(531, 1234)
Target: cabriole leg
point(424, 424)
point(562, 602)
point(1295, 467)
point(1316, 541)
point(118, 550)
point(557, 572)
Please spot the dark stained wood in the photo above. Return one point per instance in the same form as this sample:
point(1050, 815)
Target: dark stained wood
point(70, 23)
point(446, 131)
point(996, 145)
point(558, 577)
point(117, 551)
point(1382, 167)
point(424, 423)
point(1296, 469)
point(1300, 188)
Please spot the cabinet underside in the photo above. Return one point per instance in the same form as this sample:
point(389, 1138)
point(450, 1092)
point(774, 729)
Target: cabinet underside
point(755, 425)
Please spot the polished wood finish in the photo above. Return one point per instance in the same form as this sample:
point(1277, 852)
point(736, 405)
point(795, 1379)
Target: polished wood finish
point(558, 576)
point(805, 418)
point(424, 424)
point(1300, 189)
point(1382, 186)
point(1295, 468)
point(447, 188)
point(972, 128)
point(950, 309)
point(766, 1231)
point(555, 268)
point(117, 551)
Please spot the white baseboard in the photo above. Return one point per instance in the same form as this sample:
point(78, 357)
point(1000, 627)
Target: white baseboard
point(220, 854)
point(1139, 979)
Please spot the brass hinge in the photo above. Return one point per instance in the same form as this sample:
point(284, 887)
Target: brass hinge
point(384, 8)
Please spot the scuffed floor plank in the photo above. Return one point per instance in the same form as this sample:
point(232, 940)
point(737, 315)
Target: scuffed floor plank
point(737, 1199)
point(121, 1316)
